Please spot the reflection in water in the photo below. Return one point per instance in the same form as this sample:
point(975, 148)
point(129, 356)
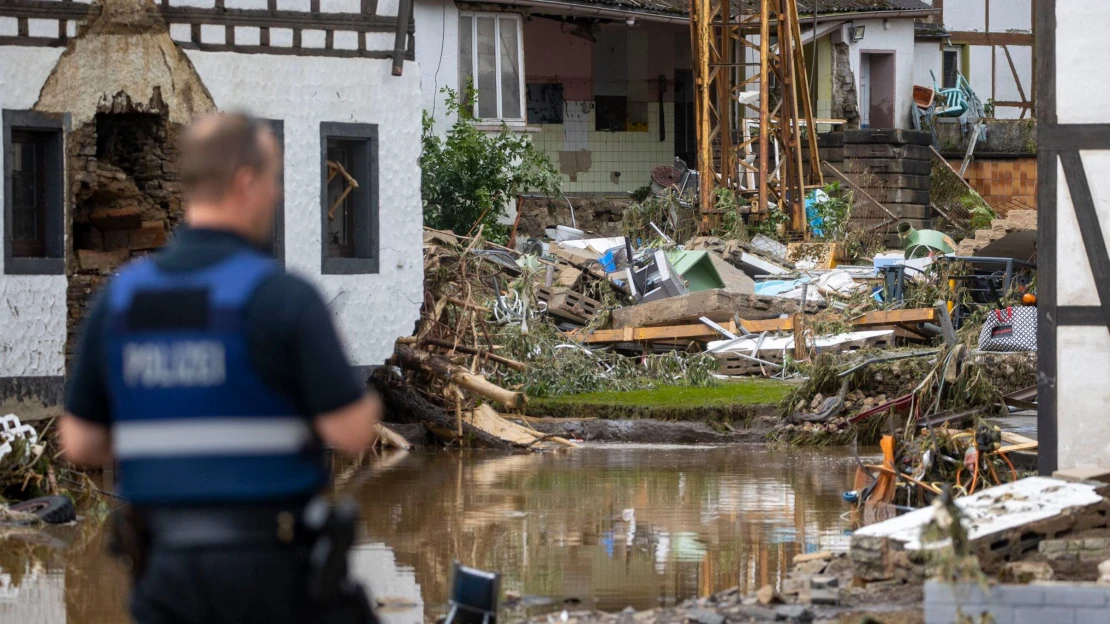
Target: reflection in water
point(610, 526)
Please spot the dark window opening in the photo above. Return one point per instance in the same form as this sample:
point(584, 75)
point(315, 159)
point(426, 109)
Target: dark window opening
point(34, 193)
point(29, 180)
point(612, 113)
point(951, 69)
point(349, 211)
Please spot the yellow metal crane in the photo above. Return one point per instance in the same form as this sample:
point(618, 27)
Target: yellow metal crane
point(755, 128)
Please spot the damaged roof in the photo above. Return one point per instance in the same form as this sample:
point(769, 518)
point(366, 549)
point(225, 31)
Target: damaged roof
point(805, 7)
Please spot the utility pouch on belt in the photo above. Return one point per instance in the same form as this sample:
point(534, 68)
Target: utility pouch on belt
point(129, 538)
point(330, 528)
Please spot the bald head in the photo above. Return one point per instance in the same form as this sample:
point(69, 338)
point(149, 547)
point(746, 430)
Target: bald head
point(230, 164)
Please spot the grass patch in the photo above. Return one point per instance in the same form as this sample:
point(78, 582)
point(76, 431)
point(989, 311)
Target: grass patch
point(729, 401)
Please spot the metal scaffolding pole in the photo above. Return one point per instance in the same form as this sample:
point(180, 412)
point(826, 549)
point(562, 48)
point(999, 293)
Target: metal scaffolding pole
point(779, 154)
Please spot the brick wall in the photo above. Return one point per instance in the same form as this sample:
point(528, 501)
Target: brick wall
point(1006, 185)
point(1037, 603)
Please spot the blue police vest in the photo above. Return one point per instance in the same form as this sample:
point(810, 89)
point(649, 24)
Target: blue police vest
point(192, 421)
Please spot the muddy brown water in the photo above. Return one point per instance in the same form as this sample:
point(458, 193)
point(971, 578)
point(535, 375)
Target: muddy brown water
point(603, 526)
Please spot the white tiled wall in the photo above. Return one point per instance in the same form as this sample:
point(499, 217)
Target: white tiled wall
point(632, 154)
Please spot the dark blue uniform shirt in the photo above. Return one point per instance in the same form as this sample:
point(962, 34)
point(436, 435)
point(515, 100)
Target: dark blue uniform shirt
point(292, 340)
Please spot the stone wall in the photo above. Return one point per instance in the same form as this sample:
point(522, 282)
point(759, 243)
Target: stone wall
point(599, 216)
point(1036, 603)
point(126, 195)
point(845, 101)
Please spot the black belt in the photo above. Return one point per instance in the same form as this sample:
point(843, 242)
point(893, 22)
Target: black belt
point(201, 527)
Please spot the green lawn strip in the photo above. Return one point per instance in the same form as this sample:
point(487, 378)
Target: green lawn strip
point(729, 401)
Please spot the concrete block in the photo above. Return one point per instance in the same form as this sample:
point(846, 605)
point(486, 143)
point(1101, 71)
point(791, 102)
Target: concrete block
point(887, 137)
point(899, 196)
point(1091, 616)
point(888, 165)
point(1018, 595)
point(939, 613)
point(1076, 595)
point(938, 593)
point(1044, 615)
point(864, 150)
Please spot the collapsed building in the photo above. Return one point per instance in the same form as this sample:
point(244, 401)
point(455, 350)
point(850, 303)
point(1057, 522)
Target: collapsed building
point(94, 97)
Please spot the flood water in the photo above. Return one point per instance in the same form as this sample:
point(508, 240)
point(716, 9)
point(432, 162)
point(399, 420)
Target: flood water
point(603, 526)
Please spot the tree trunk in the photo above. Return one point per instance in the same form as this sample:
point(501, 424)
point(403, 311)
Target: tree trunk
point(412, 359)
point(406, 405)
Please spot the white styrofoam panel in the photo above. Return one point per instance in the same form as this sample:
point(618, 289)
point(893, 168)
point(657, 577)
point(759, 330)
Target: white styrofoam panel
point(196, 4)
point(71, 28)
point(32, 307)
point(371, 310)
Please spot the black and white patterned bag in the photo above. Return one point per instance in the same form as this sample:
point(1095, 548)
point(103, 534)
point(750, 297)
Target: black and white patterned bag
point(1010, 329)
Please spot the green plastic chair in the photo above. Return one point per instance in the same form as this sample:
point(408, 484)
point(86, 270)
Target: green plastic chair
point(955, 99)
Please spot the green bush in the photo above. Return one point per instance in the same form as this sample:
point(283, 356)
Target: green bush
point(468, 176)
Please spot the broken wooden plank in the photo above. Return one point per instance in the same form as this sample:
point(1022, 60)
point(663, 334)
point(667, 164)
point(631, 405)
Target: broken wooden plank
point(703, 333)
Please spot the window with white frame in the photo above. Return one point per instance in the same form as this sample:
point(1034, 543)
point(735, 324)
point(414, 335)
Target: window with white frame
point(490, 57)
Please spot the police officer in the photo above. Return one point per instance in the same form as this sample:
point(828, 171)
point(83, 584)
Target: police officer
point(213, 380)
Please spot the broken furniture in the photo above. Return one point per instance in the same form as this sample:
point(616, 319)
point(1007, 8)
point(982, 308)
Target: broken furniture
point(696, 269)
point(986, 277)
point(474, 596)
point(654, 278)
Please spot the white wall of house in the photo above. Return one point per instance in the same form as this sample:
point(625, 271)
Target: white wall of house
point(371, 310)
point(927, 57)
point(890, 35)
point(1082, 353)
point(32, 307)
point(437, 53)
